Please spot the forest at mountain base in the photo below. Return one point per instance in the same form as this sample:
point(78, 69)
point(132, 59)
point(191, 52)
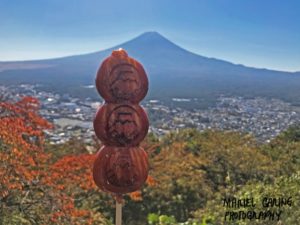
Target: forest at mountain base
point(191, 174)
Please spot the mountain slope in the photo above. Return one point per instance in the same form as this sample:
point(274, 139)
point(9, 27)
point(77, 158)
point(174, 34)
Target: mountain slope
point(173, 72)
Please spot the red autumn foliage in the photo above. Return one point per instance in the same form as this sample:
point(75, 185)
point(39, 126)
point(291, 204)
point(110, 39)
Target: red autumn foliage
point(38, 178)
point(74, 170)
point(25, 165)
point(21, 141)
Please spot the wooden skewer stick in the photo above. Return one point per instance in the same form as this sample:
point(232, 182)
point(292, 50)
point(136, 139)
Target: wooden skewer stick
point(119, 210)
point(118, 213)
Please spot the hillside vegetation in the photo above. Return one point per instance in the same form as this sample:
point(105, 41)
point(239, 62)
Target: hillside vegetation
point(191, 173)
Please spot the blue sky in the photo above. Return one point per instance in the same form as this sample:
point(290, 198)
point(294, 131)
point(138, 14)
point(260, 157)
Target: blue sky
point(260, 33)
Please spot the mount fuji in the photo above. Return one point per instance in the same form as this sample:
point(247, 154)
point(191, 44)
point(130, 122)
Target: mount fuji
point(172, 71)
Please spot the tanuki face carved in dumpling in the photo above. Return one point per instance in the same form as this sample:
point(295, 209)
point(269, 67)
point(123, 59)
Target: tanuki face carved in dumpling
point(121, 79)
point(124, 82)
point(122, 172)
point(120, 169)
point(123, 125)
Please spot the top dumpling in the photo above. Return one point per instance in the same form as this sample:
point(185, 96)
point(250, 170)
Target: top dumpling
point(121, 79)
